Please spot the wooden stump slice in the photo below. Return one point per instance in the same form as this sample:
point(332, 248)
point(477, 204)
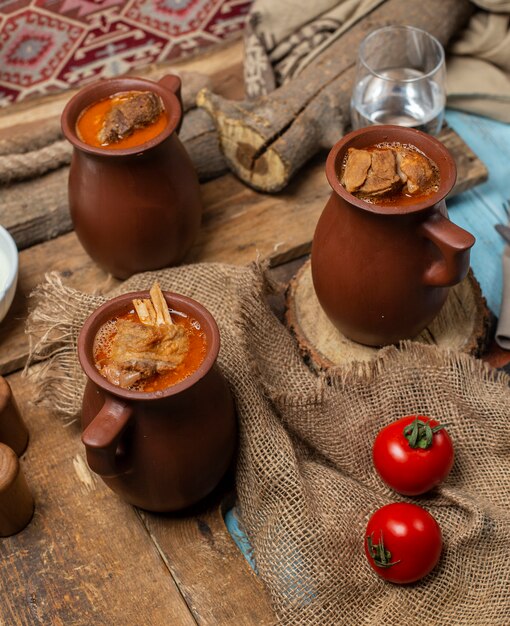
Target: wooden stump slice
point(462, 324)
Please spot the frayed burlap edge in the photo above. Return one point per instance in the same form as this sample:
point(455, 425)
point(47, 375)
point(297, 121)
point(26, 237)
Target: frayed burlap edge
point(342, 376)
point(55, 311)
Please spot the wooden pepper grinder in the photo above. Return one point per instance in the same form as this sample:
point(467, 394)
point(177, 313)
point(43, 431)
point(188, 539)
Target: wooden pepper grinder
point(13, 431)
point(16, 502)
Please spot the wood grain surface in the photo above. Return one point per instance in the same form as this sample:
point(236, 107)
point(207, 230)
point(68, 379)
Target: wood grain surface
point(205, 561)
point(461, 325)
point(86, 557)
point(89, 558)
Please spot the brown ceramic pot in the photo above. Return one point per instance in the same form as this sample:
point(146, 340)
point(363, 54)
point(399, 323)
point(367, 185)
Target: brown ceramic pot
point(381, 273)
point(139, 208)
point(163, 450)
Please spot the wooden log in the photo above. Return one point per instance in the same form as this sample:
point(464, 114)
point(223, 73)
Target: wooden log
point(462, 324)
point(266, 141)
point(36, 210)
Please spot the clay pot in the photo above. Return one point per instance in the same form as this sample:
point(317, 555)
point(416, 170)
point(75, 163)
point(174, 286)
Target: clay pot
point(162, 450)
point(381, 273)
point(139, 208)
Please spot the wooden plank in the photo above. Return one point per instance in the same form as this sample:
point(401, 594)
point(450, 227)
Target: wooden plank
point(481, 208)
point(219, 585)
point(85, 558)
point(240, 225)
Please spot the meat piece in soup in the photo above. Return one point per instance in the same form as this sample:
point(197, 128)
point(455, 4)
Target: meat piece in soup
point(382, 175)
point(136, 110)
point(140, 351)
point(387, 172)
point(356, 169)
point(138, 346)
point(414, 169)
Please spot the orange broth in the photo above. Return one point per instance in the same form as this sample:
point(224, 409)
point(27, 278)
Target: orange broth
point(160, 382)
point(91, 121)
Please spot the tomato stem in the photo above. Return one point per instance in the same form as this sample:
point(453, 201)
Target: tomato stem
point(381, 556)
point(420, 434)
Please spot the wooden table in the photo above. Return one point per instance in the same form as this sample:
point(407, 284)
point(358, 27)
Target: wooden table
point(87, 557)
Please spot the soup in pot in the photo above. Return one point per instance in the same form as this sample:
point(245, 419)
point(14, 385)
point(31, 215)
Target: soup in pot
point(389, 173)
point(149, 348)
point(124, 120)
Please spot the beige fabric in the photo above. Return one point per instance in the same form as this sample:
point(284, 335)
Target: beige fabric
point(281, 41)
point(478, 68)
point(281, 38)
point(306, 484)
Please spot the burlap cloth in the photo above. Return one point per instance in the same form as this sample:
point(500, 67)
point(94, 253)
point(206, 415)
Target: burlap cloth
point(305, 481)
point(281, 42)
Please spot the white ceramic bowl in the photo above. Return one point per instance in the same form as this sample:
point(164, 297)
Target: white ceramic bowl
point(8, 271)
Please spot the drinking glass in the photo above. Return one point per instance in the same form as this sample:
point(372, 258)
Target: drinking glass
point(400, 79)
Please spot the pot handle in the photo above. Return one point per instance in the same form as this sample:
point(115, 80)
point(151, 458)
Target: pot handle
point(173, 84)
point(101, 438)
point(454, 243)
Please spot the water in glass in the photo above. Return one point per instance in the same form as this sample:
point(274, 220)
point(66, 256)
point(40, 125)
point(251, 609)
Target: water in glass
point(397, 96)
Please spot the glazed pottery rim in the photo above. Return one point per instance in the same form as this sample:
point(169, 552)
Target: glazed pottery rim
point(393, 134)
point(107, 87)
point(108, 310)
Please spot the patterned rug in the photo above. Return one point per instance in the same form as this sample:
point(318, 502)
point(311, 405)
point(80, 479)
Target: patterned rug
point(50, 45)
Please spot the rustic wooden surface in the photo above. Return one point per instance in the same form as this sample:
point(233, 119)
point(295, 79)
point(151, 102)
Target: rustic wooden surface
point(87, 557)
point(462, 324)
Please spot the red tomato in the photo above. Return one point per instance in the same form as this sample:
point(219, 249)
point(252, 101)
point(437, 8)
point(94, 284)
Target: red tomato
point(413, 454)
point(403, 542)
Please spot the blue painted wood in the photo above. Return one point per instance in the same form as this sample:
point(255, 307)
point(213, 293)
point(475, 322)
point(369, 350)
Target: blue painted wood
point(238, 534)
point(479, 209)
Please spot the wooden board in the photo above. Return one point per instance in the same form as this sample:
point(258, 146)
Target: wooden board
point(462, 324)
point(85, 558)
point(89, 558)
point(213, 575)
